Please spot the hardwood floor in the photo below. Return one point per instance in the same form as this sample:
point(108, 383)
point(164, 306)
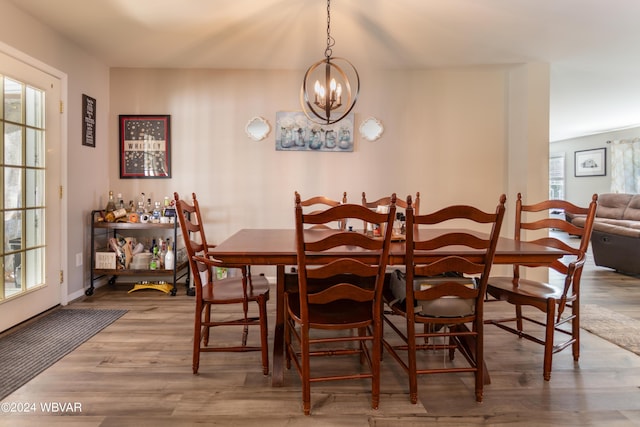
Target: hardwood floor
point(137, 372)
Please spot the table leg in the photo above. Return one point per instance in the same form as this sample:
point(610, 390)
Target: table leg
point(277, 376)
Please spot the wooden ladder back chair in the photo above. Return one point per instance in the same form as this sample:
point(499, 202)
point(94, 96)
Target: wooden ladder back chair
point(340, 276)
point(211, 291)
point(322, 202)
point(550, 298)
point(445, 283)
point(385, 201)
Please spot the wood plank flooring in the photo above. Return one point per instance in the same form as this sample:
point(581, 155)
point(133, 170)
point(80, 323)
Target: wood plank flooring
point(137, 372)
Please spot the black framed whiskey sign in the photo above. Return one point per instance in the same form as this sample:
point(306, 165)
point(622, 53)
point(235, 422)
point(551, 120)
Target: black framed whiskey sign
point(145, 146)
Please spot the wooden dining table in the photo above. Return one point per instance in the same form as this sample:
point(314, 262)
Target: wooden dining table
point(278, 247)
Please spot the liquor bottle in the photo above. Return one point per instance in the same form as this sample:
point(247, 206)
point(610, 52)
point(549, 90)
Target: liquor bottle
point(155, 260)
point(166, 205)
point(169, 259)
point(140, 209)
point(113, 216)
point(120, 201)
point(111, 204)
point(163, 253)
point(157, 212)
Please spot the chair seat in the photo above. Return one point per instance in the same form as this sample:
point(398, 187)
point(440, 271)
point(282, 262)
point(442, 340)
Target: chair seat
point(333, 315)
point(529, 288)
point(229, 290)
point(446, 306)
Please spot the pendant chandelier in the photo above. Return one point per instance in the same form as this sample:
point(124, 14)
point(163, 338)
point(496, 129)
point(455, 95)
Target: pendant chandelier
point(328, 93)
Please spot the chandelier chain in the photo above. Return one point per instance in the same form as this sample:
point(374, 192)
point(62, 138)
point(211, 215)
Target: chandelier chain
point(328, 52)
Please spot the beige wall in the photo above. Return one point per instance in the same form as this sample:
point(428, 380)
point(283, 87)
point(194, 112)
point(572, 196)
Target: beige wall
point(456, 135)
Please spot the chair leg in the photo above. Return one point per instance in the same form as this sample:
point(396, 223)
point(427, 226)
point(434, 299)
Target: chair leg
point(197, 337)
point(411, 356)
point(375, 364)
point(287, 338)
point(575, 329)
point(381, 351)
point(264, 338)
point(479, 359)
point(245, 335)
point(306, 370)
point(287, 356)
point(362, 332)
point(207, 319)
point(452, 348)
point(518, 317)
point(426, 328)
point(548, 340)
point(245, 330)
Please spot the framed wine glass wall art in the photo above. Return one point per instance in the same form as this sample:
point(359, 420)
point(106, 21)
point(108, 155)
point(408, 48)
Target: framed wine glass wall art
point(591, 162)
point(295, 132)
point(145, 146)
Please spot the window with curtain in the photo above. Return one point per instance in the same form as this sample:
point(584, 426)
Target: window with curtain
point(556, 176)
point(625, 166)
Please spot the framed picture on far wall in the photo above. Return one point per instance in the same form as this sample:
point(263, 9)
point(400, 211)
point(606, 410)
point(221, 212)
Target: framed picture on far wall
point(591, 162)
point(295, 132)
point(145, 146)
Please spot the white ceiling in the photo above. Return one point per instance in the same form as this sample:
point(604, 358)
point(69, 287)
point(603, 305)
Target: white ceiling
point(591, 45)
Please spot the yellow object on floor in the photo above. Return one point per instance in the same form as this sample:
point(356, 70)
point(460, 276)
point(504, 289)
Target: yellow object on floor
point(160, 286)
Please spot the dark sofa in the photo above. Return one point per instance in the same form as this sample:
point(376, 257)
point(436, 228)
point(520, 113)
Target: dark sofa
point(615, 240)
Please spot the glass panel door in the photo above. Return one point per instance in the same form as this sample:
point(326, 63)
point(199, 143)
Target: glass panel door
point(30, 205)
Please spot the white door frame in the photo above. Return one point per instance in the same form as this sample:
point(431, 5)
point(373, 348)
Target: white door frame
point(63, 78)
